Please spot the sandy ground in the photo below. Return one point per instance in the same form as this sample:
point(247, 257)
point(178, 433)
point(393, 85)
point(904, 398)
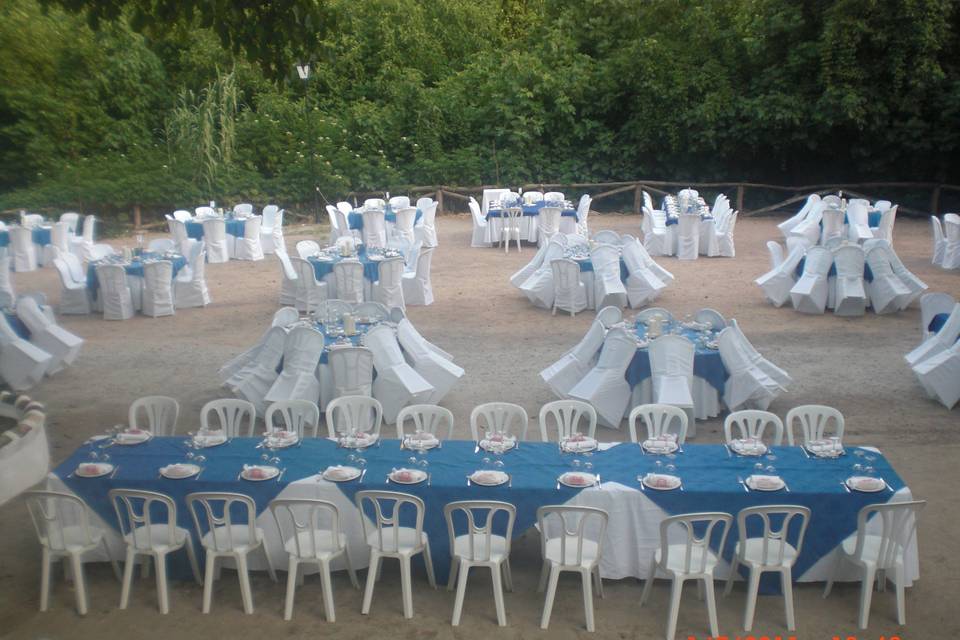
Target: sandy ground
point(855, 364)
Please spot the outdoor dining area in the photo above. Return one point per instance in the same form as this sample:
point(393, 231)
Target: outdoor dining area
point(237, 234)
point(503, 216)
point(685, 227)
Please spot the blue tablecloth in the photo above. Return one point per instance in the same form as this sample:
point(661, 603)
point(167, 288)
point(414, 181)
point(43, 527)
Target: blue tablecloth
point(867, 273)
point(534, 210)
point(17, 325)
point(709, 477)
point(329, 340)
point(234, 228)
point(371, 268)
point(41, 236)
point(587, 265)
point(706, 362)
point(134, 268)
point(355, 218)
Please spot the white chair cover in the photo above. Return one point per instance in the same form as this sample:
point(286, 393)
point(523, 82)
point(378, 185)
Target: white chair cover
point(914, 285)
point(158, 289)
point(114, 295)
point(7, 294)
point(215, 237)
point(479, 237)
point(887, 293)
point(301, 355)
point(249, 247)
point(724, 235)
point(809, 294)
point(940, 375)
point(255, 379)
point(858, 226)
point(417, 287)
point(23, 250)
point(548, 224)
point(951, 251)
point(566, 372)
point(388, 289)
point(22, 365)
point(190, 287)
point(688, 236)
point(671, 368)
point(850, 296)
point(583, 212)
point(643, 286)
point(438, 371)
point(74, 298)
point(397, 384)
point(270, 225)
point(352, 369)
point(538, 287)
point(289, 287)
point(374, 228)
point(403, 227)
point(747, 386)
point(931, 305)
point(348, 275)
point(940, 341)
point(47, 335)
point(426, 231)
point(605, 387)
point(777, 283)
point(310, 291)
point(787, 225)
point(569, 294)
point(609, 289)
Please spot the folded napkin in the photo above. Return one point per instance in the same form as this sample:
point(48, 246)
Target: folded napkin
point(758, 481)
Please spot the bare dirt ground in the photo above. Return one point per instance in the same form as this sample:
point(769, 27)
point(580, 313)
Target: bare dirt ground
point(855, 364)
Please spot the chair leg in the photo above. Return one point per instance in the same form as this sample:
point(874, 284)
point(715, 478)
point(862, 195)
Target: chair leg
point(507, 575)
point(46, 569)
point(327, 592)
point(372, 570)
point(833, 575)
point(244, 577)
point(899, 576)
point(293, 568)
point(350, 570)
point(454, 569)
point(463, 572)
point(544, 572)
point(648, 585)
point(192, 555)
point(786, 578)
point(599, 580)
point(733, 576)
point(711, 605)
point(498, 594)
point(76, 563)
point(128, 567)
point(551, 592)
point(406, 587)
point(208, 580)
point(113, 560)
point(587, 598)
point(676, 590)
point(266, 555)
point(428, 561)
point(866, 593)
point(163, 597)
point(752, 589)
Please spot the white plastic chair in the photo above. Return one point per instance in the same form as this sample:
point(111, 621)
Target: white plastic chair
point(231, 415)
point(815, 423)
point(671, 367)
point(479, 537)
point(295, 415)
point(417, 286)
point(775, 549)
point(310, 291)
point(427, 418)
point(659, 420)
point(190, 286)
point(884, 532)
point(64, 530)
point(158, 289)
point(569, 293)
point(148, 524)
point(349, 278)
point(301, 355)
point(690, 559)
point(388, 289)
point(565, 373)
point(503, 418)
point(567, 415)
point(438, 371)
point(604, 387)
point(510, 229)
point(479, 237)
point(311, 534)
point(809, 294)
point(243, 209)
point(160, 412)
point(226, 526)
point(249, 247)
point(347, 414)
point(74, 297)
point(532, 197)
point(307, 249)
point(571, 539)
point(72, 219)
point(753, 424)
point(182, 215)
point(215, 237)
point(352, 369)
point(387, 538)
point(887, 292)
point(374, 228)
point(22, 365)
point(850, 295)
point(45, 334)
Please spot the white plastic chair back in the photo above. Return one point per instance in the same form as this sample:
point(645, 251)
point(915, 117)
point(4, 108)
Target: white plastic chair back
point(618, 350)
point(59, 236)
point(354, 413)
point(374, 228)
point(609, 316)
point(428, 418)
point(161, 413)
point(386, 509)
point(293, 415)
point(399, 202)
point(898, 525)
point(576, 528)
point(374, 203)
point(403, 226)
point(481, 523)
point(568, 416)
point(491, 195)
point(659, 420)
point(389, 290)
point(220, 518)
point(532, 197)
point(498, 418)
point(753, 424)
point(694, 532)
point(60, 520)
point(849, 260)
point(205, 212)
point(352, 369)
point(215, 235)
point(312, 526)
point(780, 526)
point(712, 317)
point(142, 515)
point(423, 202)
point(672, 355)
point(816, 421)
point(553, 196)
point(234, 417)
point(349, 277)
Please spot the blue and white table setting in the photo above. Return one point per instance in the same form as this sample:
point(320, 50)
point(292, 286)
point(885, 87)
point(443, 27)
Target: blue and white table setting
point(355, 217)
point(235, 226)
point(529, 219)
point(133, 265)
point(638, 489)
point(370, 258)
point(41, 235)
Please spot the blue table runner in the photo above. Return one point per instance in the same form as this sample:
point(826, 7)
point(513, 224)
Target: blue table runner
point(534, 210)
point(355, 218)
point(371, 268)
point(707, 363)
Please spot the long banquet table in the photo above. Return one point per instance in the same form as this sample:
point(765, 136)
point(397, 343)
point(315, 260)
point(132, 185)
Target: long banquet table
point(234, 227)
point(709, 472)
point(529, 222)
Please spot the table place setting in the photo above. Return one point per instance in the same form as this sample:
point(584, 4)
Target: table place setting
point(408, 476)
point(826, 448)
point(93, 469)
point(259, 473)
point(206, 439)
point(663, 444)
point(747, 447)
point(280, 439)
point(342, 473)
point(577, 443)
point(579, 480)
point(660, 481)
point(132, 436)
point(489, 478)
point(357, 439)
point(180, 471)
point(420, 441)
point(498, 443)
point(763, 482)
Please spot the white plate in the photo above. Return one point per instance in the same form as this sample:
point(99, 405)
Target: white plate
point(660, 447)
point(498, 446)
point(765, 483)
point(745, 448)
point(578, 446)
point(489, 478)
point(660, 481)
point(823, 449)
point(323, 258)
point(127, 438)
point(416, 476)
point(358, 443)
point(338, 473)
point(93, 469)
point(209, 440)
point(179, 471)
point(281, 442)
point(577, 479)
point(866, 484)
point(268, 473)
point(426, 443)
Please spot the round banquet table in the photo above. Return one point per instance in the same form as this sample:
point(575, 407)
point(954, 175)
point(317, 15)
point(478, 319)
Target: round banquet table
point(323, 268)
point(134, 270)
point(529, 222)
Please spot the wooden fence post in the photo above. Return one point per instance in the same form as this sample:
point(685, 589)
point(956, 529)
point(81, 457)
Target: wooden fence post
point(440, 201)
point(136, 216)
point(637, 199)
point(740, 198)
point(935, 201)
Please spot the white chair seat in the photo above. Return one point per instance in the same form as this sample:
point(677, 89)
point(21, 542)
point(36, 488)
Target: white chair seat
point(673, 390)
point(73, 538)
point(407, 538)
point(239, 534)
point(157, 536)
point(498, 548)
point(871, 547)
point(676, 558)
point(753, 554)
point(590, 550)
point(321, 541)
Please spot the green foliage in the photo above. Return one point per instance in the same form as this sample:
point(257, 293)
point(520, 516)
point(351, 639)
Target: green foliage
point(154, 107)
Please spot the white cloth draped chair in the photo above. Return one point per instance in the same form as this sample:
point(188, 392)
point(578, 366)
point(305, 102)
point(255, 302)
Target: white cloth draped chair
point(190, 286)
point(7, 293)
point(399, 202)
point(256, 378)
point(833, 225)
point(114, 295)
point(334, 218)
point(671, 368)
point(407, 327)
point(565, 373)
point(688, 236)
point(724, 235)
point(301, 355)
point(310, 291)
point(158, 289)
point(656, 238)
point(479, 237)
point(184, 242)
point(85, 247)
point(47, 335)
point(788, 225)
point(248, 247)
point(352, 372)
point(22, 249)
point(426, 231)
point(780, 376)
point(388, 289)
point(289, 287)
point(887, 293)
point(438, 371)
point(609, 290)
point(244, 209)
point(643, 285)
point(307, 249)
point(605, 387)
point(403, 227)
point(548, 224)
point(747, 385)
point(271, 224)
point(72, 219)
point(809, 228)
point(397, 383)
point(59, 242)
point(914, 285)
point(491, 195)
point(215, 237)
point(951, 251)
point(569, 293)
point(940, 341)
point(931, 305)
point(858, 225)
point(74, 297)
point(580, 224)
point(281, 318)
point(538, 285)
point(888, 218)
point(22, 364)
point(348, 275)
point(417, 286)
point(809, 294)
point(939, 241)
point(939, 375)
point(374, 228)
point(850, 297)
